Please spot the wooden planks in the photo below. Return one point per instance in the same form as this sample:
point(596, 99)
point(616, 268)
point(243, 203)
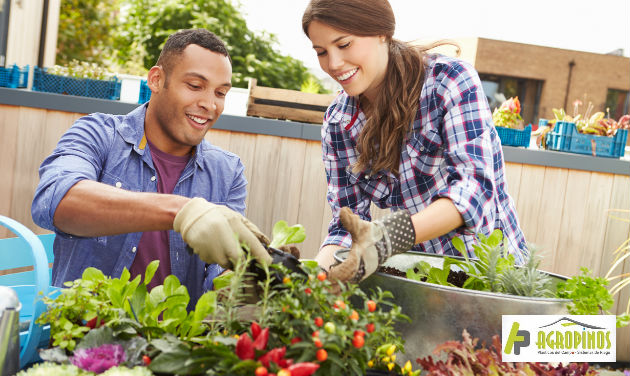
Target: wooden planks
point(286, 104)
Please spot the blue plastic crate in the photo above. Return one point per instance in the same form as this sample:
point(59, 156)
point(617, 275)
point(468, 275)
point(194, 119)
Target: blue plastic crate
point(83, 87)
point(565, 137)
point(145, 92)
point(515, 137)
point(14, 77)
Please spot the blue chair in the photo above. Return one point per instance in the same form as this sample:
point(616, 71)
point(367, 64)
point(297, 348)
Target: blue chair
point(25, 264)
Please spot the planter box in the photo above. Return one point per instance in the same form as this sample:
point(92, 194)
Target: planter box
point(14, 77)
point(515, 137)
point(286, 104)
point(565, 137)
point(83, 87)
point(440, 313)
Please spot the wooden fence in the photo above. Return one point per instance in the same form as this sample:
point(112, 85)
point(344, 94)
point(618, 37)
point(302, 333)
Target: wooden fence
point(566, 213)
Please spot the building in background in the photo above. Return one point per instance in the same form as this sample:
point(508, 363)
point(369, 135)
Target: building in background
point(545, 78)
point(28, 32)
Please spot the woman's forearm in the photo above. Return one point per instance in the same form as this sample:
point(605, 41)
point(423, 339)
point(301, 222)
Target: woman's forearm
point(435, 220)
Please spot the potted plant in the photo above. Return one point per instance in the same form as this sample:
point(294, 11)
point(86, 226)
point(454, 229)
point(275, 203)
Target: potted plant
point(77, 78)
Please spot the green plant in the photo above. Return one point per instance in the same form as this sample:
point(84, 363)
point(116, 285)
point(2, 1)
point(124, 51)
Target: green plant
point(508, 114)
point(493, 270)
point(155, 329)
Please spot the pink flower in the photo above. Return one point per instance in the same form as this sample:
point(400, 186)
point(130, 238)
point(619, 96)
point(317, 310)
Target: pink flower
point(99, 359)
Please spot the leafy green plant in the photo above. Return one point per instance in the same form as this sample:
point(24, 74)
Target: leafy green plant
point(125, 305)
point(306, 326)
point(283, 234)
point(493, 270)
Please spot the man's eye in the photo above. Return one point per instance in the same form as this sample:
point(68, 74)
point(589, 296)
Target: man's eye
point(194, 86)
point(221, 94)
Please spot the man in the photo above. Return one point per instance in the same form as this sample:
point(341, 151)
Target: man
point(116, 186)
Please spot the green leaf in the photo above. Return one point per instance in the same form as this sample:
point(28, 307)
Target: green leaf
point(283, 234)
point(223, 280)
point(150, 271)
point(92, 274)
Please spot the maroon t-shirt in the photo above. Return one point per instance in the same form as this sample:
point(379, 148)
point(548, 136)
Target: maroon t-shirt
point(153, 245)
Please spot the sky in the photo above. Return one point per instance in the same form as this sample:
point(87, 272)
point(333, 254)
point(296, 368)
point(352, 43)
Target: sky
point(599, 26)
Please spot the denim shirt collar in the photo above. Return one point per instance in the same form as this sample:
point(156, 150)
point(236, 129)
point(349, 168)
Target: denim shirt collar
point(132, 131)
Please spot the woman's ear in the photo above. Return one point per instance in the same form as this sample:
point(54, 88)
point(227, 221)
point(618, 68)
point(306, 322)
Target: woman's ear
point(156, 78)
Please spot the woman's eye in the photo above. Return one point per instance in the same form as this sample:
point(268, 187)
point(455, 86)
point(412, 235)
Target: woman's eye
point(344, 46)
point(322, 53)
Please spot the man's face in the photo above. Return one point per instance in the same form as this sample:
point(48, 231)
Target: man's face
point(187, 100)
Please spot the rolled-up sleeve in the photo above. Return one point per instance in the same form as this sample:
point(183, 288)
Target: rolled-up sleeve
point(79, 155)
point(468, 147)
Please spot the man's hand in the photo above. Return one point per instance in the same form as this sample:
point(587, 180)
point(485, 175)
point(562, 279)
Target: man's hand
point(372, 243)
point(215, 232)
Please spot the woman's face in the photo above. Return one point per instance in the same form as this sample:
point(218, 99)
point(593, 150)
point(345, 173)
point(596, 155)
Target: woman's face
point(357, 63)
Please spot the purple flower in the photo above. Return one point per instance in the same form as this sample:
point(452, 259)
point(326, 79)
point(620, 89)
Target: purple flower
point(99, 359)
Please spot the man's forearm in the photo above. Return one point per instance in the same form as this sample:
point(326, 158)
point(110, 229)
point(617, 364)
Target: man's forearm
point(91, 208)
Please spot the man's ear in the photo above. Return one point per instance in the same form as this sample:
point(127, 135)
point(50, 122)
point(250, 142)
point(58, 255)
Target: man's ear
point(156, 78)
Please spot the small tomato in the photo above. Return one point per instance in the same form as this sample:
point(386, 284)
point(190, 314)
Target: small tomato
point(354, 315)
point(319, 322)
point(146, 360)
point(317, 342)
point(370, 327)
point(308, 291)
point(284, 372)
point(339, 304)
point(329, 327)
point(321, 276)
point(315, 333)
point(371, 305)
point(286, 280)
point(321, 355)
point(261, 371)
point(358, 342)
point(359, 333)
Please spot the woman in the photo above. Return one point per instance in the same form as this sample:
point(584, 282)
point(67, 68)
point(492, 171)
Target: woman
point(410, 131)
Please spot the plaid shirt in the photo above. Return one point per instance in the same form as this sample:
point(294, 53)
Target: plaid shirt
point(452, 151)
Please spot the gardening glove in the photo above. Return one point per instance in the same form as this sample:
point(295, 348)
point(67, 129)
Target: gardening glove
point(215, 233)
point(372, 243)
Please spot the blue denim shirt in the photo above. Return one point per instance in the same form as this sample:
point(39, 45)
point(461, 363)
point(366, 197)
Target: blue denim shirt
point(112, 149)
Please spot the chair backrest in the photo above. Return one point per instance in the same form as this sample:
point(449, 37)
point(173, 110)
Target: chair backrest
point(24, 266)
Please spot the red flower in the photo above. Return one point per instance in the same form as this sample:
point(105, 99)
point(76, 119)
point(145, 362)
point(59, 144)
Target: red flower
point(303, 369)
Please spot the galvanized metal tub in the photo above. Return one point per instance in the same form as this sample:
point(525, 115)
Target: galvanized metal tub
point(441, 313)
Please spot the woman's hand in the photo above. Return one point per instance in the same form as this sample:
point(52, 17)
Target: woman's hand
point(372, 243)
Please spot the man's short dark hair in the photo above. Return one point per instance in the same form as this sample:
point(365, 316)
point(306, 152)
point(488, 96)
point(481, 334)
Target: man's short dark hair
point(178, 41)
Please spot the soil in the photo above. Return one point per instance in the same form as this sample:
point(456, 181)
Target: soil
point(456, 278)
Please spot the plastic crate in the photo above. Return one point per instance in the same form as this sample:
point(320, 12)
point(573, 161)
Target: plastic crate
point(515, 137)
point(83, 87)
point(145, 92)
point(14, 77)
point(565, 137)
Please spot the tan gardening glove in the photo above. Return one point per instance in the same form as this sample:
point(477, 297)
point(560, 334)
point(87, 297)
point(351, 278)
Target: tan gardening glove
point(372, 243)
point(215, 232)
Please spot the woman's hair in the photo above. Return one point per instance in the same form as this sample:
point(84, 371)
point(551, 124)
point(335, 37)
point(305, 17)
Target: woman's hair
point(379, 143)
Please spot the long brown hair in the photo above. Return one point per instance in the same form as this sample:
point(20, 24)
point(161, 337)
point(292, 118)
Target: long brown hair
point(390, 116)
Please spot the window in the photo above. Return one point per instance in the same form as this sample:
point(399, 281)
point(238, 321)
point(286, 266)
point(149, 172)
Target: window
point(499, 88)
point(617, 103)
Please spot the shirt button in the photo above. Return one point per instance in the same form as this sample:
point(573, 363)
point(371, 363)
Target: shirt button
point(118, 184)
point(153, 178)
point(421, 148)
point(367, 176)
point(133, 249)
